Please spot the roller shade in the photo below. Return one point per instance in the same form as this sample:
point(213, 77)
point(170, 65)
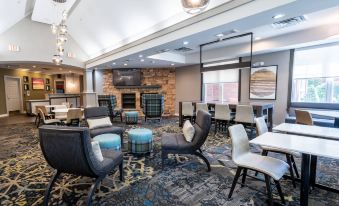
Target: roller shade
point(224, 76)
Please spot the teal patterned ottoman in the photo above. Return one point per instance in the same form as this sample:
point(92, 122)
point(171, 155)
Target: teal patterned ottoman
point(140, 141)
point(108, 141)
point(131, 117)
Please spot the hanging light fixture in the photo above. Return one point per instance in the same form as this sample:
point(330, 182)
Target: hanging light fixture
point(194, 6)
point(57, 59)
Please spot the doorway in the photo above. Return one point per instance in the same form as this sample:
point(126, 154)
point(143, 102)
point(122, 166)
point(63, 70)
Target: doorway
point(13, 94)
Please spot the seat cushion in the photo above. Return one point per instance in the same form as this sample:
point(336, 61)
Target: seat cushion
point(267, 165)
point(108, 141)
point(105, 130)
point(316, 121)
point(172, 142)
point(112, 158)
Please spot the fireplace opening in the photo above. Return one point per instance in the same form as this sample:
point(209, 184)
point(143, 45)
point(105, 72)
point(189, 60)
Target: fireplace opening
point(128, 100)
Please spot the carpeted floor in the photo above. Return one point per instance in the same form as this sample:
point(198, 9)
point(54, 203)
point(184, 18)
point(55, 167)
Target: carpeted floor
point(24, 175)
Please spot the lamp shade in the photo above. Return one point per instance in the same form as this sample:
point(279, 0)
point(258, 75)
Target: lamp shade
point(194, 6)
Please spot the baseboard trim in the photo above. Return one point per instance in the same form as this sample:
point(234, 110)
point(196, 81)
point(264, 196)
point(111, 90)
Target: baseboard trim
point(4, 115)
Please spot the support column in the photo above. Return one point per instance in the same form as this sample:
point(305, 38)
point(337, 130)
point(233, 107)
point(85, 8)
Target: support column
point(89, 96)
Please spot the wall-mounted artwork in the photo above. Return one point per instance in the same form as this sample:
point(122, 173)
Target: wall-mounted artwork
point(47, 81)
point(263, 82)
point(48, 88)
point(38, 83)
point(26, 87)
point(25, 78)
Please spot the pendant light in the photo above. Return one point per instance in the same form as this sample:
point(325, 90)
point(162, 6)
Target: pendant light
point(194, 6)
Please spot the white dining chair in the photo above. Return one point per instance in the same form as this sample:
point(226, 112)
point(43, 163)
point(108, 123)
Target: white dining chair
point(188, 111)
point(67, 104)
point(60, 115)
point(74, 117)
point(244, 114)
point(46, 121)
point(223, 117)
point(245, 160)
point(201, 106)
point(261, 129)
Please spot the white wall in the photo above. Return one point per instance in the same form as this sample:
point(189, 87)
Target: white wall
point(282, 59)
point(37, 44)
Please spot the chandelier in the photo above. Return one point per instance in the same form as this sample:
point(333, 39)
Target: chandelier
point(60, 30)
point(194, 6)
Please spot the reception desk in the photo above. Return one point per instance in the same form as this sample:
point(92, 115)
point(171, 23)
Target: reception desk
point(53, 99)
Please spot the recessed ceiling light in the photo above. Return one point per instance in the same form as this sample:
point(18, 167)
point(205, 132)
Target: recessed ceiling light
point(125, 64)
point(37, 72)
point(140, 56)
point(153, 62)
point(142, 60)
point(114, 63)
point(172, 64)
point(278, 16)
point(186, 42)
point(33, 66)
point(257, 38)
point(219, 35)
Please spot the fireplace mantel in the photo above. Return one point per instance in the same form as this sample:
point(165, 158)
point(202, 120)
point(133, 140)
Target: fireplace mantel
point(139, 87)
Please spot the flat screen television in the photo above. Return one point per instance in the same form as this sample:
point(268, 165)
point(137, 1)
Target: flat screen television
point(126, 77)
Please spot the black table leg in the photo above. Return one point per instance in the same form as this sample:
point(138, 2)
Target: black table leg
point(313, 172)
point(305, 179)
point(336, 122)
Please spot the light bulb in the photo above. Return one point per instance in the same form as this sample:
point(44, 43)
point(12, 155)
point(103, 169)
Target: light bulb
point(54, 28)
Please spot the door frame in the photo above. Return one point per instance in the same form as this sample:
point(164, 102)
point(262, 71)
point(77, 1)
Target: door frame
point(6, 77)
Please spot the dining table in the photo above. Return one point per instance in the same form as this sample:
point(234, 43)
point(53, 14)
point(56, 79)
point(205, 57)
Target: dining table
point(260, 109)
point(63, 110)
point(327, 113)
point(307, 146)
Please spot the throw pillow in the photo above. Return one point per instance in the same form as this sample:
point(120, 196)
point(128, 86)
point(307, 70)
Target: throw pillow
point(97, 151)
point(188, 131)
point(96, 123)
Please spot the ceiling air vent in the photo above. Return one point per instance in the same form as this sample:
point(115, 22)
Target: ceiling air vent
point(289, 22)
point(183, 49)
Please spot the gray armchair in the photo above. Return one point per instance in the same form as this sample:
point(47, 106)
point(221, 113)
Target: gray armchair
point(69, 150)
point(176, 143)
point(101, 112)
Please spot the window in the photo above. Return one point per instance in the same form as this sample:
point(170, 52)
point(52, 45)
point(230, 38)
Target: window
point(221, 85)
point(316, 75)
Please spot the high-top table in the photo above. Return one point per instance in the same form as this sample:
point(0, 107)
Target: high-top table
point(260, 109)
point(308, 146)
point(327, 113)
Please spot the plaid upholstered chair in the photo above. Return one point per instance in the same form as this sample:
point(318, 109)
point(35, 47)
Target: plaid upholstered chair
point(110, 101)
point(153, 106)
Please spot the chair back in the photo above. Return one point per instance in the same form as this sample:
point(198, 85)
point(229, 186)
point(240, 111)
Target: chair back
point(303, 117)
point(69, 150)
point(244, 114)
point(222, 112)
point(187, 109)
point(74, 116)
point(109, 101)
point(43, 109)
point(96, 112)
point(261, 125)
point(41, 114)
point(240, 144)
point(202, 128)
point(67, 104)
point(153, 105)
point(201, 106)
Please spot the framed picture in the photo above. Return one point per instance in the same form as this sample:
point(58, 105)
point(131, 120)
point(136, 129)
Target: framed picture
point(47, 81)
point(25, 78)
point(38, 83)
point(263, 82)
point(48, 88)
point(26, 87)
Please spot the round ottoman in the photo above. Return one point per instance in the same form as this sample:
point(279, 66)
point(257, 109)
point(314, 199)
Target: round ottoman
point(131, 117)
point(140, 141)
point(108, 141)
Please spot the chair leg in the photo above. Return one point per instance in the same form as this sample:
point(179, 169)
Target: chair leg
point(289, 162)
point(50, 186)
point(295, 167)
point(235, 180)
point(92, 190)
point(244, 174)
point(36, 119)
point(277, 184)
point(121, 170)
point(269, 189)
point(163, 157)
point(215, 128)
point(204, 159)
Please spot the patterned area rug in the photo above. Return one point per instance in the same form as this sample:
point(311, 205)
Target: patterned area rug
point(24, 175)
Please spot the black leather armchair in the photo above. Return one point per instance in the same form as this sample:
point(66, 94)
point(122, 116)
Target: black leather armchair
point(176, 143)
point(69, 150)
point(102, 112)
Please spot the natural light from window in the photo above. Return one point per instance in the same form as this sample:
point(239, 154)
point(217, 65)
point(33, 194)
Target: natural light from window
point(316, 75)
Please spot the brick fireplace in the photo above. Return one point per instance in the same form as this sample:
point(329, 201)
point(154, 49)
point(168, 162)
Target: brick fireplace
point(160, 81)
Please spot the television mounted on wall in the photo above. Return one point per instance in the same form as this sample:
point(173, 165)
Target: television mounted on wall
point(126, 77)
